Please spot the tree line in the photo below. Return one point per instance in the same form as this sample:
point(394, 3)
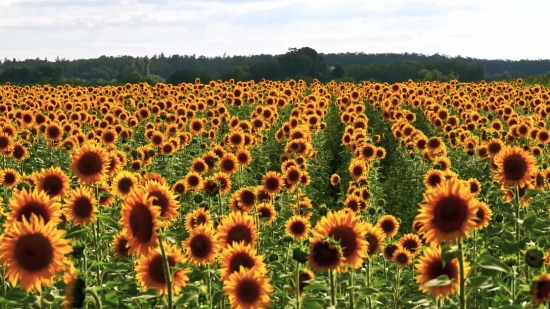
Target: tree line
point(305, 63)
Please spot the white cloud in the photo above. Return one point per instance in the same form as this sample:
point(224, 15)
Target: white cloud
point(88, 28)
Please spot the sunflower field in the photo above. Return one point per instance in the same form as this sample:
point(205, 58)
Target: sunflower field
point(275, 195)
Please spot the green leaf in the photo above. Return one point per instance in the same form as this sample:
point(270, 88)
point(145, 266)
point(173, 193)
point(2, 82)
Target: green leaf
point(77, 233)
point(186, 299)
point(529, 220)
point(311, 304)
point(480, 282)
point(369, 291)
point(16, 294)
point(316, 287)
point(532, 192)
point(442, 280)
point(8, 302)
point(490, 262)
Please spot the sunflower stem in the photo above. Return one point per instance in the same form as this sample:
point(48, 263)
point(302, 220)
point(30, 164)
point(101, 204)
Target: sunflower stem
point(332, 288)
point(462, 292)
point(351, 290)
point(297, 285)
point(167, 274)
point(97, 232)
point(220, 202)
point(209, 285)
point(368, 282)
point(397, 285)
point(518, 202)
point(95, 296)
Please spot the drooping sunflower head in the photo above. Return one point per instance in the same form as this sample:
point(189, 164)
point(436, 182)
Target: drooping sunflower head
point(375, 238)
point(75, 293)
point(389, 225)
point(237, 227)
point(430, 266)
point(515, 167)
point(197, 217)
point(345, 228)
point(90, 163)
point(139, 221)
point(202, 245)
point(164, 199)
point(80, 206)
point(389, 250)
point(483, 216)
point(120, 246)
point(325, 254)
point(239, 255)
point(150, 271)
point(449, 211)
point(540, 289)
point(304, 278)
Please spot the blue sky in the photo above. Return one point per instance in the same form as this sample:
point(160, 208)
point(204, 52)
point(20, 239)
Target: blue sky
point(86, 28)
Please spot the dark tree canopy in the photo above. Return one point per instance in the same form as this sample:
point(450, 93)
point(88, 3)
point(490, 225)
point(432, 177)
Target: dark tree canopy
point(304, 62)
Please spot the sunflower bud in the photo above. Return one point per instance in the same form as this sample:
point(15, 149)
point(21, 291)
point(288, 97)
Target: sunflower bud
point(534, 258)
point(273, 257)
point(299, 255)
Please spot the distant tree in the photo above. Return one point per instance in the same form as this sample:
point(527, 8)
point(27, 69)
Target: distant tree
point(187, 76)
point(266, 69)
point(337, 72)
point(238, 73)
point(295, 63)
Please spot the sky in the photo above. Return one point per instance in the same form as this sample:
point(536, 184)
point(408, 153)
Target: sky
point(76, 29)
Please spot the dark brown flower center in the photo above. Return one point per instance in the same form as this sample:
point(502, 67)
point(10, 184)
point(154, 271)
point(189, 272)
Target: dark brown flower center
point(33, 252)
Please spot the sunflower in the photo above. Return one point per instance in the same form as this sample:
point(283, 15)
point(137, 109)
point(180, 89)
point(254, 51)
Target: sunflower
point(19, 152)
point(240, 255)
point(334, 179)
point(164, 199)
point(266, 213)
point(199, 166)
point(448, 213)
point(196, 218)
point(34, 252)
point(228, 163)
point(430, 266)
point(179, 188)
point(433, 178)
point(90, 163)
point(224, 182)
point(494, 147)
point(120, 246)
point(293, 175)
point(247, 289)
point(202, 245)
point(150, 271)
point(515, 167)
point(193, 181)
point(243, 157)
point(23, 204)
point(80, 206)
point(304, 279)
point(75, 287)
point(52, 181)
point(483, 216)
point(272, 182)
point(6, 143)
point(9, 177)
point(346, 228)
point(375, 238)
point(325, 254)
point(540, 289)
point(389, 225)
point(389, 250)
point(411, 242)
point(139, 221)
point(402, 257)
point(298, 227)
point(357, 168)
point(123, 183)
point(353, 203)
point(475, 186)
point(236, 227)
